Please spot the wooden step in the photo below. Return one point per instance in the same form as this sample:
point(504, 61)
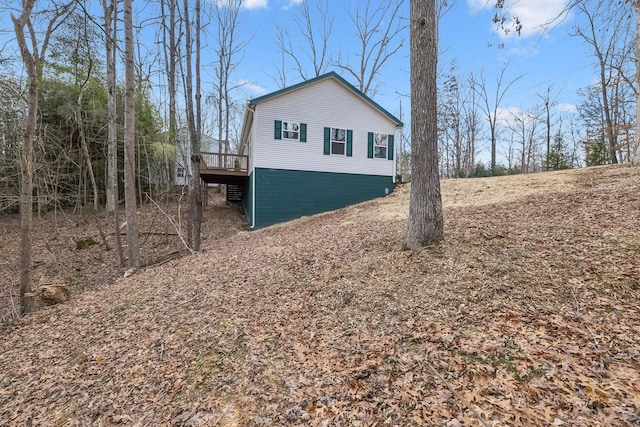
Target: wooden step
point(234, 193)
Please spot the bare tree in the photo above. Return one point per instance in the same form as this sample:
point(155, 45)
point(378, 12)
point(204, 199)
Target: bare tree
point(490, 104)
point(525, 128)
point(549, 102)
point(619, 14)
point(83, 137)
point(380, 36)
point(195, 195)
point(171, 55)
point(592, 114)
point(110, 11)
point(459, 126)
point(605, 40)
point(449, 122)
point(610, 46)
point(315, 35)
point(110, 18)
point(228, 47)
point(471, 118)
point(11, 124)
point(426, 223)
point(443, 7)
point(33, 55)
point(133, 248)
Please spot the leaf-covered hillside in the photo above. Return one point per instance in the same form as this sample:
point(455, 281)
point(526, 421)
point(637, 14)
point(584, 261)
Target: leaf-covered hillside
point(526, 315)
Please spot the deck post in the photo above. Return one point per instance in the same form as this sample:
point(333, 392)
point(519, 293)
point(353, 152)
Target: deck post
point(205, 192)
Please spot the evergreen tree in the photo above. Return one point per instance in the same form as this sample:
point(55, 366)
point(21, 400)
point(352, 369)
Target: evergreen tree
point(597, 152)
point(557, 158)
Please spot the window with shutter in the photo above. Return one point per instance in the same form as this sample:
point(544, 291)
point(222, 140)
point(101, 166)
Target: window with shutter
point(290, 130)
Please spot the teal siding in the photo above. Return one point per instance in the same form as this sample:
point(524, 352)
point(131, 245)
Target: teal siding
point(247, 200)
point(283, 195)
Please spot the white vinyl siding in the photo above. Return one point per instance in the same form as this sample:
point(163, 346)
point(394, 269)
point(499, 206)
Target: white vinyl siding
point(319, 105)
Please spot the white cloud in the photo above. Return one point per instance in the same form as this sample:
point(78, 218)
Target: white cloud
point(246, 4)
point(254, 4)
point(567, 108)
point(534, 15)
point(504, 116)
point(252, 87)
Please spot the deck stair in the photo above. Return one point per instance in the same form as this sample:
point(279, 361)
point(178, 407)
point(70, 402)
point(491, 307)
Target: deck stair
point(234, 192)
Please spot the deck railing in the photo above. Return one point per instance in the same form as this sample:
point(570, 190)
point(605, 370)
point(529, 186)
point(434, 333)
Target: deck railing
point(226, 161)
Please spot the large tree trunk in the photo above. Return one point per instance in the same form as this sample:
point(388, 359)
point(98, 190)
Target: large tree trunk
point(26, 157)
point(197, 141)
point(26, 192)
point(195, 198)
point(110, 28)
point(426, 223)
point(33, 61)
point(133, 251)
point(112, 142)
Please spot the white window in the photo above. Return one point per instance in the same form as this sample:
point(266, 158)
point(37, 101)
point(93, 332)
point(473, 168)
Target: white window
point(380, 144)
point(290, 130)
point(338, 141)
point(180, 172)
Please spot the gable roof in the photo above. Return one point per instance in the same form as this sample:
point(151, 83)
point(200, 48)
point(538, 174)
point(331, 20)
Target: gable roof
point(330, 75)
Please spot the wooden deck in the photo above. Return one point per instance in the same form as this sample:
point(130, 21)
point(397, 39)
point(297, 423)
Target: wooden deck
point(224, 168)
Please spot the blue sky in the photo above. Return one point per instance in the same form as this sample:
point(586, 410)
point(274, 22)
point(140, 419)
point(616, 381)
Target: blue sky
point(542, 57)
point(467, 34)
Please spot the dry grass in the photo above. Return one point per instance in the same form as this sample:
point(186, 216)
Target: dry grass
point(525, 315)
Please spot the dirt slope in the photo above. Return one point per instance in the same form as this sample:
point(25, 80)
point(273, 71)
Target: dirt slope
point(526, 315)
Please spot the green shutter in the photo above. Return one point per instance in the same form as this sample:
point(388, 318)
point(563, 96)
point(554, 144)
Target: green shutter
point(303, 132)
point(370, 145)
point(327, 141)
point(390, 147)
point(277, 133)
point(349, 143)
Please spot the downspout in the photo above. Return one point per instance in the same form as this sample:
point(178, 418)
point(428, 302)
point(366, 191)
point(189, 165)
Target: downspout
point(396, 157)
point(253, 166)
point(253, 202)
point(248, 133)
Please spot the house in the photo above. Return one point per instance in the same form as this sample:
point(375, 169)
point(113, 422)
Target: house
point(312, 147)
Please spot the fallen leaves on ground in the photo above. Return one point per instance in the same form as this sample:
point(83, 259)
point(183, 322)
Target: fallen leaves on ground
point(526, 315)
